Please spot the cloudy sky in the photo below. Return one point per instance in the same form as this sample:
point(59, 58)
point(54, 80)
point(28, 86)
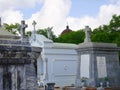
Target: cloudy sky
point(57, 13)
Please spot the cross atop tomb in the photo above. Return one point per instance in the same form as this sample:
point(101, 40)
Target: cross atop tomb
point(87, 34)
point(23, 26)
point(33, 33)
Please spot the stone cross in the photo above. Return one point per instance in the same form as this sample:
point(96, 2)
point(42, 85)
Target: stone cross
point(49, 32)
point(23, 26)
point(33, 33)
point(87, 34)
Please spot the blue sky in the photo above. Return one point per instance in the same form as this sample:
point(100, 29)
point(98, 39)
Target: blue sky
point(86, 7)
point(57, 13)
point(78, 8)
point(29, 11)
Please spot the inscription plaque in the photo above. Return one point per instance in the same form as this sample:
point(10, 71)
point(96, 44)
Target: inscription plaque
point(101, 66)
point(85, 66)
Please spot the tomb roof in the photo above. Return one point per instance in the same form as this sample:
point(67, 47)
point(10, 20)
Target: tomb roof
point(6, 34)
point(97, 45)
point(65, 45)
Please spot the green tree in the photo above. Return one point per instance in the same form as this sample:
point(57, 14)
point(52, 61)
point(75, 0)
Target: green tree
point(115, 23)
point(13, 28)
point(108, 33)
point(28, 33)
point(44, 32)
point(75, 37)
point(116, 37)
point(101, 37)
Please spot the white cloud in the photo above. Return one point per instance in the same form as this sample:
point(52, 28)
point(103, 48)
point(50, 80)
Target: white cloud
point(55, 13)
point(10, 11)
point(104, 15)
point(17, 4)
point(11, 16)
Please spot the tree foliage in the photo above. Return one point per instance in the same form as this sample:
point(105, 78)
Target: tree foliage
point(72, 37)
point(28, 33)
point(13, 28)
point(108, 33)
point(115, 23)
point(44, 32)
point(105, 33)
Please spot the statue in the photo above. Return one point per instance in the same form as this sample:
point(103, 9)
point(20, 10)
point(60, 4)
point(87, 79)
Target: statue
point(87, 34)
point(23, 26)
point(49, 32)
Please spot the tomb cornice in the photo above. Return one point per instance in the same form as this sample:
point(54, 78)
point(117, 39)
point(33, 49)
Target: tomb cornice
point(15, 48)
point(13, 61)
point(107, 49)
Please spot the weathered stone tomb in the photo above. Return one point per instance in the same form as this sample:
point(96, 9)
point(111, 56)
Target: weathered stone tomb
point(17, 62)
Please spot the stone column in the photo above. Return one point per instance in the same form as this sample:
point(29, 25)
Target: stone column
point(23, 77)
point(1, 78)
point(31, 77)
point(78, 80)
point(0, 22)
point(46, 74)
point(13, 70)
